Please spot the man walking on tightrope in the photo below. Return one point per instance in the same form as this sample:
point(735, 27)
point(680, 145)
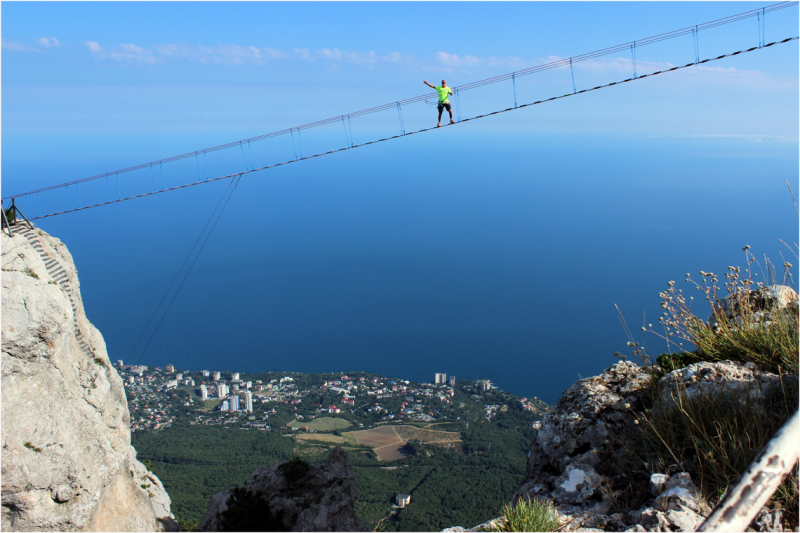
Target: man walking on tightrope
point(444, 100)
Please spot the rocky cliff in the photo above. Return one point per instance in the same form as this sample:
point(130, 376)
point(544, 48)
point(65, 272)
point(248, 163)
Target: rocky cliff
point(291, 496)
point(67, 461)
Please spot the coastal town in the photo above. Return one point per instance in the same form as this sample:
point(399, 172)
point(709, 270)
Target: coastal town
point(159, 397)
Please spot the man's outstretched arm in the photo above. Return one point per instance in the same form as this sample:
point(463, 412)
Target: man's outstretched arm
point(429, 85)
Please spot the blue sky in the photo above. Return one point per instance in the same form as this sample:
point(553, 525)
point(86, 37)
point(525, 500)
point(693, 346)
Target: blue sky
point(504, 242)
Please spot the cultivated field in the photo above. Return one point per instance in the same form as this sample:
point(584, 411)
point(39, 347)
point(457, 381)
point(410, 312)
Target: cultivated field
point(408, 433)
point(323, 437)
point(392, 452)
point(321, 424)
point(377, 437)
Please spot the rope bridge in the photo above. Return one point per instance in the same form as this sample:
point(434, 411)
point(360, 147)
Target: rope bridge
point(71, 192)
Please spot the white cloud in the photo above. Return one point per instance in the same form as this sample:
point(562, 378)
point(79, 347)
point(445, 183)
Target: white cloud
point(18, 47)
point(235, 54)
point(455, 60)
point(369, 58)
point(47, 42)
point(124, 53)
point(93, 46)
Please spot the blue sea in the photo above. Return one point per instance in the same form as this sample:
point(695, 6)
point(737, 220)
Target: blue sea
point(485, 257)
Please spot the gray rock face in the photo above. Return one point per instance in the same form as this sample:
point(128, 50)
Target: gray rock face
point(319, 498)
point(592, 418)
point(67, 462)
point(577, 457)
point(713, 378)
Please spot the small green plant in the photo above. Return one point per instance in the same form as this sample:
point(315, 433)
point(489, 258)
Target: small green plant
point(147, 464)
point(527, 515)
point(32, 447)
point(187, 525)
point(675, 360)
point(99, 361)
point(11, 215)
point(31, 273)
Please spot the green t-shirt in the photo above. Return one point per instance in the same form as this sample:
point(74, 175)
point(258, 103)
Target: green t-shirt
point(443, 94)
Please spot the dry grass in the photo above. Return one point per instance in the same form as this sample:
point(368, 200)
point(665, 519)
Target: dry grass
point(742, 333)
point(715, 437)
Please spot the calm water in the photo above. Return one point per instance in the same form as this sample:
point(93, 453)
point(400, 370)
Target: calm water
point(446, 254)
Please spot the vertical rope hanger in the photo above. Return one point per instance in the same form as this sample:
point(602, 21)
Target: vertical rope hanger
point(574, 90)
point(514, 82)
point(400, 116)
point(633, 58)
point(243, 156)
point(197, 162)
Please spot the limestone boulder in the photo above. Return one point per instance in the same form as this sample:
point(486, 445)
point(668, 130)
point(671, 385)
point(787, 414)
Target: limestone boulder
point(761, 305)
point(714, 378)
point(300, 497)
point(67, 462)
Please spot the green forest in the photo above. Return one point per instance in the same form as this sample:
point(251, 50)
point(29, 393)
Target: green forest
point(461, 486)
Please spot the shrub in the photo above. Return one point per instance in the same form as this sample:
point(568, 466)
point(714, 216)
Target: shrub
point(31, 273)
point(293, 470)
point(743, 336)
point(187, 525)
point(675, 360)
point(527, 515)
point(11, 215)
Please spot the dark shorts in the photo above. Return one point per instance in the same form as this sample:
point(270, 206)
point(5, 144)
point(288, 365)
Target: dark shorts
point(443, 106)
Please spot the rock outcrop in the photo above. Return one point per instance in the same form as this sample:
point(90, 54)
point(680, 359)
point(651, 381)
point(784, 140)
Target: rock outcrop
point(581, 457)
point(761, 306)
point(67, 460)
point(292, 496)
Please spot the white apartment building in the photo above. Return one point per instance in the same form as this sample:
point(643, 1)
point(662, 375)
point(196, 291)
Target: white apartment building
point(203, 392)
point(248, 401)
point(234, 403)
point(205, 373)
point(235, 376)
point(215, 376)
point(222, 390)
point(440, 378)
